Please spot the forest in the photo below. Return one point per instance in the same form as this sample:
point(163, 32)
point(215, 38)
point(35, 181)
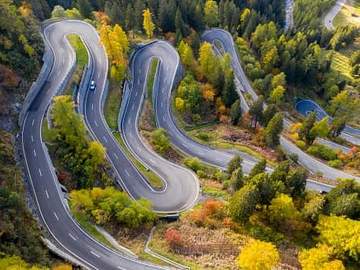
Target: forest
point(268, 211)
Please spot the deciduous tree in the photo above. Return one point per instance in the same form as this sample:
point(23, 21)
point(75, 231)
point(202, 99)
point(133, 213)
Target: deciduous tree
point(258, 255)
point(149, 26)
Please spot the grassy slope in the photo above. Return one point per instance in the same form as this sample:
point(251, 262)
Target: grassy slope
point(81, 61)
point(341, 60)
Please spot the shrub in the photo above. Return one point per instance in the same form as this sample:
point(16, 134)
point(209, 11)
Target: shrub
point(204, 136)
point(193, 163)
point(322, 151)
point(336, 163)
point(300, 144)
point(173, 238)
point(160, 140)
point(201, 174)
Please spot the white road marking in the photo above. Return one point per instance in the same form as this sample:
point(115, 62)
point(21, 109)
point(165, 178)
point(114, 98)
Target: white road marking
point(32, 123)
point(32, 138)
point(119, 267)
point(127, 173)
point(92, 106)
point(116, 156)
point(34, 153)
point(40, 172)
point(57, 218)
point(105, 139)
point(151, 160)
point(47, 194)
point(96, 124)
point(73, 237)
point(95, 254)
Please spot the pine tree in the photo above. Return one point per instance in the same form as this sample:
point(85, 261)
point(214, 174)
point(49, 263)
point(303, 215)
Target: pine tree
point(273, 130)
point(256, 111)
point(235, 112)
point(85, 8)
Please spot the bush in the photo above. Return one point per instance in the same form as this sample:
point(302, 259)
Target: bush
point(193, 163)
point(160, 140)
point(337, 163)
point(322, 151)
point(173, 238)
point(300, 144)
point(204, 136)
point(201, 174)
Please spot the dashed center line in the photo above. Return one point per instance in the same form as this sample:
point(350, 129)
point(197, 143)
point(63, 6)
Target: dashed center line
point(40, 173)
point(56, 216)
point(96, 124)
point(116, 156)
point(92, 106)
point(127, 173)
point(32, 123)
point(95, 254)
point(72, 237)
point(34, 153)
point(32, 138)
point(47, 194)
point(105, 139)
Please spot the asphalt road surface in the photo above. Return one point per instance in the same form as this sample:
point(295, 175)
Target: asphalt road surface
point(330, 16)
point(306, 106)
point(50, 200)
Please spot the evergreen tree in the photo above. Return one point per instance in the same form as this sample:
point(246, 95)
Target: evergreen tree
point(273, 130)
point(85, 8)
point(234, 164)
point(229, 94)
point(237, 179)
point(306, 127)
point(258, 168)
point(235, 112)
point(256, 111)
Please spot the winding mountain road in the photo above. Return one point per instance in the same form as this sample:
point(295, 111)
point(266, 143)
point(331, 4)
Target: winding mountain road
point(181, 185)
point(216, 36)
point(48, 196)
point(330, 16)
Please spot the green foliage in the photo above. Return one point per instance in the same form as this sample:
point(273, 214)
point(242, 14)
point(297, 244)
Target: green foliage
point(85, 160)
point(273, 130)
point(243, 203)
point(235, 112)
point(258, 168)
point(237, 179)
point(160, 140)
point(20, 41)
point(305, 130)
point(234, 164)
point(14, 262)
point(344, 199)
point(322, 151)
point(256, 111)
point(110, 205)
point(193, 163)
point(211, 13)
point(19, 232)
point(189, 92)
